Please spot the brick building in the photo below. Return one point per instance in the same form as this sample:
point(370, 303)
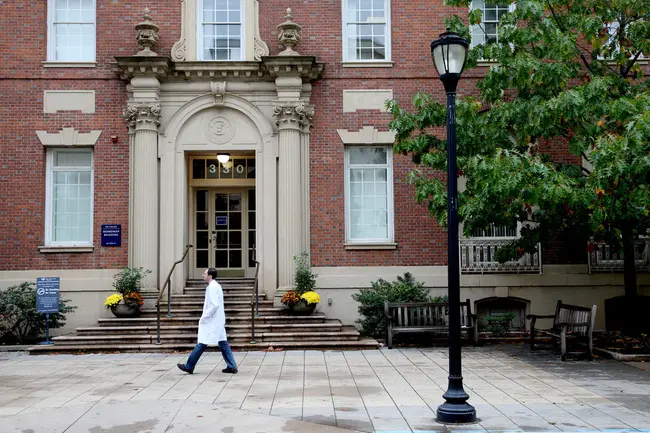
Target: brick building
point(94, 134)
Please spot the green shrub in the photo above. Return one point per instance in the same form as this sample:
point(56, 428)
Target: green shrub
point(128, 280)
point(498, 325)
point(19, 321)
point(443, 298)
point(371, 301)
point(304, 280)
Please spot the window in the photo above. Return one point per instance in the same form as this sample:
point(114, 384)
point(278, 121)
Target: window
point(366, 30)
point(220, 30)
point(487, 30)
point(69, 200)
point(71, 30)
point(368, 194)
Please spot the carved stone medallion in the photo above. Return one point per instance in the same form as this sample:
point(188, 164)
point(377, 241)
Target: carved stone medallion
point(220, 130)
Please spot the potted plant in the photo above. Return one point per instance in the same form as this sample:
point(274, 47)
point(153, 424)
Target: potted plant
point(127, 301)
point(302, 300)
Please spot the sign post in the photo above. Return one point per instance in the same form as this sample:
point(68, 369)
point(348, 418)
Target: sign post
point(48, 294)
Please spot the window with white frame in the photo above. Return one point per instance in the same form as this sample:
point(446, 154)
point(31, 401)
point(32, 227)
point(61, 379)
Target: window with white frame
point(71, 30)
point(488, 30)
point(366, 30)
point(69, 201)
point(220, 30)
point(369, 194)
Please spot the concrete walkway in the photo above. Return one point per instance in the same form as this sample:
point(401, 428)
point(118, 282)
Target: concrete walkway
point(322, 392)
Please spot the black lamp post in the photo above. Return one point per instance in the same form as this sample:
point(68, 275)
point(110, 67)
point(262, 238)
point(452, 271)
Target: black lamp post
point(449, 53)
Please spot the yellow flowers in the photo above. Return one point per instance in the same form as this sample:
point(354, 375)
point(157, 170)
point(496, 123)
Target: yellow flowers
point(311, 297)
point(113, 300)
point(601, 123)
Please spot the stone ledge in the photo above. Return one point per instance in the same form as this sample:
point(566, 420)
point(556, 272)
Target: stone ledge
point(353, 64)
point(620, 356)
point(73, 249)
point(370, 246)
point(69, 64)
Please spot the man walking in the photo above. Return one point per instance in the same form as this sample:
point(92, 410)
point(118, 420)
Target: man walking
point(212, 326)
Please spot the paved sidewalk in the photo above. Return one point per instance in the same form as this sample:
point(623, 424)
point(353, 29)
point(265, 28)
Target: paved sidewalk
point(370, 391)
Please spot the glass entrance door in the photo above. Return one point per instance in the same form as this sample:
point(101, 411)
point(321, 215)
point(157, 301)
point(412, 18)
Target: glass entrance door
point(225, 231)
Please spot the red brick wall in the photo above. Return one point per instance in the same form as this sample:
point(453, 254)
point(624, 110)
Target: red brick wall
point(23, 78)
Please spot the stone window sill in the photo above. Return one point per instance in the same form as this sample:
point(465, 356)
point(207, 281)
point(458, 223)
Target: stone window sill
point(370, 246)
point(353, 64)
point(69, 64)
point(66, 249)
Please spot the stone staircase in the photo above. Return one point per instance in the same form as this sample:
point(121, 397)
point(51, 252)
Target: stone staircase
point(274, 328)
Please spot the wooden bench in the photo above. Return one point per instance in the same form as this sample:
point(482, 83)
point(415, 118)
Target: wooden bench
point(568, 321)
point(424, 317)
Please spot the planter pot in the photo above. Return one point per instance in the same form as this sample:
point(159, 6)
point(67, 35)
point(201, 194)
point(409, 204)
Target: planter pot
point(121, 310)
point(302, 309)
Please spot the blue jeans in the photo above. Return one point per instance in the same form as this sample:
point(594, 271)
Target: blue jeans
point(200, 348)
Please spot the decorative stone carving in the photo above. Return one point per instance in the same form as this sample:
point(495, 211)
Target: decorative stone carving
point(147, 35)
point(260, 48)
point(142, 113)
point(220, 130)
point(68, 137)
point(218, 90)
point(293, 113)
point(289, 35)
point(179, 49)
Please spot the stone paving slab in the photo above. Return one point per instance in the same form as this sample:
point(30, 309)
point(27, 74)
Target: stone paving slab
point(389, 391)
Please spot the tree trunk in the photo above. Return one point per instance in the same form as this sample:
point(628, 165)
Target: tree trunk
point(629, 268)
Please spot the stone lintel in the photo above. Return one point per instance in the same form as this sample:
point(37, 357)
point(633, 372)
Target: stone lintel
point(305, 67)
point(130, 66)
point(68, 137)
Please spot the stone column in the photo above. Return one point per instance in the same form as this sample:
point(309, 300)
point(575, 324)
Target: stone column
point(144, 118)
point(290, 119)
point(304, 149)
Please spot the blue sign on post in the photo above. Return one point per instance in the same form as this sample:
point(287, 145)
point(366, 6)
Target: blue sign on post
point(48, 294)
point(111, 235)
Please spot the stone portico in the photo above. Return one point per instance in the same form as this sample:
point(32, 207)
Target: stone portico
point(178, 107)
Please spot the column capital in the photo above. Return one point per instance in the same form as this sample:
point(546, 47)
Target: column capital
point(142, 115)
point(293, 115)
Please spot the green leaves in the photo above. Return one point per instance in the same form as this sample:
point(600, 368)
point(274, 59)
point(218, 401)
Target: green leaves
point(562, 94)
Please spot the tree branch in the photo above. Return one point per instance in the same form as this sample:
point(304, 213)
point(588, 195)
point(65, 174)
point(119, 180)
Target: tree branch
point(562, 29)
point(631, 64)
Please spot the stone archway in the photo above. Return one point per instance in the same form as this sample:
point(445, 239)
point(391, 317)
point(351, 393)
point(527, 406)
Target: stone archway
point(500, 305)
point(192, 129)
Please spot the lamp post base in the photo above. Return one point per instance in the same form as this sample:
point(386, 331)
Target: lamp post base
point(453, 413)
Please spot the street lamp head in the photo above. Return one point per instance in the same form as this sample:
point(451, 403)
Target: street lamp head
point(449, 53)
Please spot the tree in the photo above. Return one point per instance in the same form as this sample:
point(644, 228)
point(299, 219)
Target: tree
point(567, 74)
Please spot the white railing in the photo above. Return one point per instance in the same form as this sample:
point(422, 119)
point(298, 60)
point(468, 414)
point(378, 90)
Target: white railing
point(606, 259)
point(478, 256)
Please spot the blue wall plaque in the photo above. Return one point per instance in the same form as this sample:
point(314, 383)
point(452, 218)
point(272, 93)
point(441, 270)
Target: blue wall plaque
point(111, 235)
point(222, 220)
point(48, 292)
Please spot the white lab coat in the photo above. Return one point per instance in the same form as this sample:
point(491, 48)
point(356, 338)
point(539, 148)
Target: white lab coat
point(212, 325)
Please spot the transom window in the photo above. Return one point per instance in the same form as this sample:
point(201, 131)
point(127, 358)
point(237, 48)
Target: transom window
point(71, 30)
point(69, 200)
point(369, 194)
point(220, 30)
point(366, 27)
point(488, 30)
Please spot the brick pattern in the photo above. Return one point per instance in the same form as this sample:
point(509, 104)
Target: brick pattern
point(22, 159)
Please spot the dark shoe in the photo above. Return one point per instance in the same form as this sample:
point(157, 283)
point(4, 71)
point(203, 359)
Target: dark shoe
point(230, 370)
point(185, 369)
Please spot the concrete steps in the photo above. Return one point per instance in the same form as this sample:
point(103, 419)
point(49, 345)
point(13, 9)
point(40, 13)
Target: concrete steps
point(274, 327)
point(234, 337)
point(363, 344)
point(329, 326)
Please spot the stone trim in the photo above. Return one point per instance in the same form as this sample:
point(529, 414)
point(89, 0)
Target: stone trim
point(69, 64)
point(351, 246)
point(353, 64)
point(65, 249)
point(68, 137)
point(69, 100)
point(366, 99)
point(367, 135)
point(185, 48)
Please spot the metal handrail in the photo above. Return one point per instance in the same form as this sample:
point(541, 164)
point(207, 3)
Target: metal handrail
point(168, 285)
point(255, 304)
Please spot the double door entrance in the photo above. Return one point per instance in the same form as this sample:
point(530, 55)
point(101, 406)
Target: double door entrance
point(225, 231)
